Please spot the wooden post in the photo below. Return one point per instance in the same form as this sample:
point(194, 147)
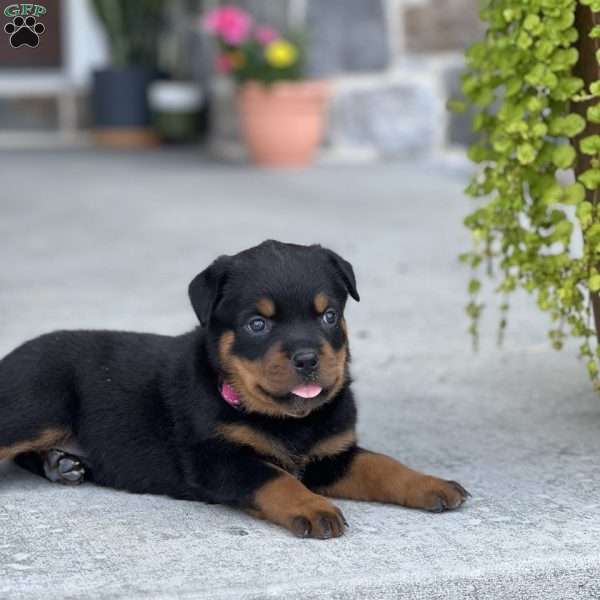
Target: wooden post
point(588, 69)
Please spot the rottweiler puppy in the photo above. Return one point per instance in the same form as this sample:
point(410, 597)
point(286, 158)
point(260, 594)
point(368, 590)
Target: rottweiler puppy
point(252, 409)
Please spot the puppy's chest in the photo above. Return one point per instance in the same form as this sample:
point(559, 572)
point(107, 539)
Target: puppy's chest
point(292, 450)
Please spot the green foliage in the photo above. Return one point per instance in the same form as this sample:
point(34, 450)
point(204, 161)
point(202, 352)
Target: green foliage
point(521, 83)
point(132, 29)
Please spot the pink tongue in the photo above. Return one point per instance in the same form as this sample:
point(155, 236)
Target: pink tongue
point(310, 390)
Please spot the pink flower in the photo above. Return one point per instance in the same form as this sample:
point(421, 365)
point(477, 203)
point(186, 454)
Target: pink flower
point(223, 64)
point(231, 23)
point(265, 35)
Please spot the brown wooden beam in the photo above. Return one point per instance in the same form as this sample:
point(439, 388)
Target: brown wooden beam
point(587, 68)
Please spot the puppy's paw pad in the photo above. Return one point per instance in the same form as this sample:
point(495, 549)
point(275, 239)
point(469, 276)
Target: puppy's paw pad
point(63, 468)
point(321, 522)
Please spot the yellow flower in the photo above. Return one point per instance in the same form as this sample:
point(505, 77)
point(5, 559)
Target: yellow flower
point(281, 54)
point(236, 59)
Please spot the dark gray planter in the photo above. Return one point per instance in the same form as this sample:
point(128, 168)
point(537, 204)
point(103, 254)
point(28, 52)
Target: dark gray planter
point(119, 97)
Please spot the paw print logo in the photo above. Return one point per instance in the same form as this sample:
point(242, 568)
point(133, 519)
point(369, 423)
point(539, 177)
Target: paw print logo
point(24, 32)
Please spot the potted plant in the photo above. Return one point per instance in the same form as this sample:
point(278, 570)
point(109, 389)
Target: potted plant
point(175, 107)
point(176, 102)
point(534, 82)
point(282, 115)
point(119, 92)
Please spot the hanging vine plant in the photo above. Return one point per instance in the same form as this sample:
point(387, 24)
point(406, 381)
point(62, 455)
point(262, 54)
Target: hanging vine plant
point(533, 82)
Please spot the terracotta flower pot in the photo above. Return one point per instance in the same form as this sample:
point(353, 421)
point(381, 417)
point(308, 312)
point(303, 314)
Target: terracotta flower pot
point(282, 124)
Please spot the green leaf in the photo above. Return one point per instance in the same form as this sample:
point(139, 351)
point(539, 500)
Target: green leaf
point(584, 214)
point(592, 235)
point(526, 154)
point(477, 153)
point(594, 283)
point(593, 113)
point(469, 85)
point(563, 156)
point(524, 41)
point(539, 129)
point(474, 286)
point(502, 144)
point(571, 56)
point(476, 52)
point(478, 121)
point(565, 18)
point(484, 98)
point(552, 194)
point(569, 126)
point(584, 209)
point(550, 80)
point(564, 229)
point(518, 127)
point(510, 14)
point(574, 194)
point(562, 59)
point(534, 76)
point(570, 35)
point(543, 49)
point(590, 178)
point(568, 86)
point(535, 104)
point(573, 125)
point(590, 144)
point(531, 22)
point(509, 111)
point(513, 86)
point(457, 106)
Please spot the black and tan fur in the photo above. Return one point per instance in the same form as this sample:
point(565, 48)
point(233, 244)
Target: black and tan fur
point(149, 416)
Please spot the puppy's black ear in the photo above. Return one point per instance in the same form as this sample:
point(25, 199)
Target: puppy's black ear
point(344, 268)
point(205, 289)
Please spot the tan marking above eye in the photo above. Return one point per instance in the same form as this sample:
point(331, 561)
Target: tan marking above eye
point(321, 302)
point(266, 307)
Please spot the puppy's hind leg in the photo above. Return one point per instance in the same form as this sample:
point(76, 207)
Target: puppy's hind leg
point(37, 397)
point(29, 440)
point(55, 465)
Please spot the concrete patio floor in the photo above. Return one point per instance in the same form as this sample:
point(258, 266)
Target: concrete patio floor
point(93, 240)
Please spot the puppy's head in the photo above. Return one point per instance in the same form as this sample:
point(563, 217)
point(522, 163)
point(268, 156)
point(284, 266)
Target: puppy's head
point(274, 316)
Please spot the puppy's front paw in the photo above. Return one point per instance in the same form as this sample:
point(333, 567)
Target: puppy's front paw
point(437, 495)
point(318, 519)
point(63, 468)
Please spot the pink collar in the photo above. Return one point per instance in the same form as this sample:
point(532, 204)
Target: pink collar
point(230, 396)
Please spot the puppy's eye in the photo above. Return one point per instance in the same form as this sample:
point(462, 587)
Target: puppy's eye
point(257, 325)
point(330, 317)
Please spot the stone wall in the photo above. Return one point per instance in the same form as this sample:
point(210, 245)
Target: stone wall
point(393, 65)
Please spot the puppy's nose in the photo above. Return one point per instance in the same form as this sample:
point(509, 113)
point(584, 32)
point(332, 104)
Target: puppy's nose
point(305, 361)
